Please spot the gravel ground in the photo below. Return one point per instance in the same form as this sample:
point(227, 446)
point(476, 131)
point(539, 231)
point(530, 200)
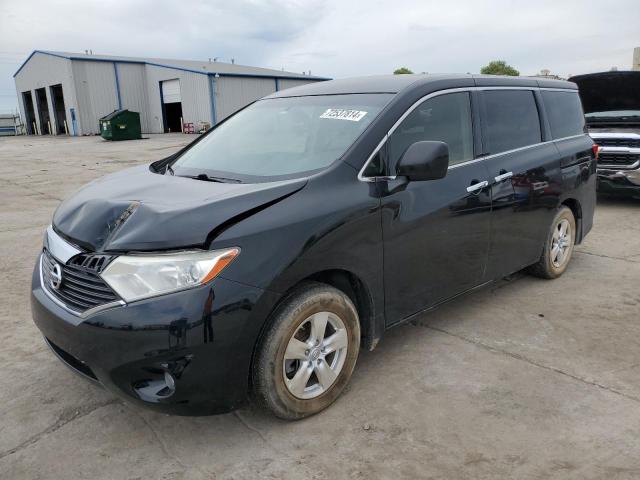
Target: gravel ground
point(526, 379)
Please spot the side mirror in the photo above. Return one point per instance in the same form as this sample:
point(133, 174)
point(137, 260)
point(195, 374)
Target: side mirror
point(424, 161)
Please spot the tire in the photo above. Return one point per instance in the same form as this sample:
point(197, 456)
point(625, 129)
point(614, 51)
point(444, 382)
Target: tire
point(293, 376)
point(558, 247)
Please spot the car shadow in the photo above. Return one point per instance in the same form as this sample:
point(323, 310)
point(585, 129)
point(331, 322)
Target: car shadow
point(617, 200)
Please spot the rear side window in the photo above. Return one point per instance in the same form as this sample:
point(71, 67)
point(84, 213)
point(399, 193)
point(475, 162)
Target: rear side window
point(510, 120)
point(445, 118)
point(565, 113)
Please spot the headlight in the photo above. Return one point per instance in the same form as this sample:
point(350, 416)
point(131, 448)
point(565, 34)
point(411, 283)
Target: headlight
point(134, 277)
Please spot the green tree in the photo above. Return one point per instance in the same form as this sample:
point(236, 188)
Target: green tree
point(401, 71)
point(499, 67)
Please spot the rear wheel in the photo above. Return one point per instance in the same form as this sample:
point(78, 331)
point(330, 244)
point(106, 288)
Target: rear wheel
point(306, 358)
point(558, 246)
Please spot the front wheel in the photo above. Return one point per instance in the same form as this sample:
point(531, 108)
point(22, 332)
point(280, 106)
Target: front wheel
point(308, 354)
point(558, 246)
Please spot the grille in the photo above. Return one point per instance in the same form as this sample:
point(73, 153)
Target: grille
point(81, 287)
point(618, 158)
point(618, 142)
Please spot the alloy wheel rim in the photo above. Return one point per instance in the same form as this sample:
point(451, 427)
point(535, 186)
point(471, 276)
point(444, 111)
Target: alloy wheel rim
point(315, 355)
point(561, 243)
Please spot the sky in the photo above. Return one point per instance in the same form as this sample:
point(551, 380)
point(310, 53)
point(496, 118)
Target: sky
point(333, 38)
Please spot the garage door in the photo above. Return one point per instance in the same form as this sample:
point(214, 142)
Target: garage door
point(171, 91)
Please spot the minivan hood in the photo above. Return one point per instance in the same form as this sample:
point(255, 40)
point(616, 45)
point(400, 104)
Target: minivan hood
point(609, 91)
point(139, 210)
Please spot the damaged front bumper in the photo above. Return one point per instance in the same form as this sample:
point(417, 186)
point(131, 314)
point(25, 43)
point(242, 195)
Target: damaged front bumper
point(619, 181)
point(186, 353)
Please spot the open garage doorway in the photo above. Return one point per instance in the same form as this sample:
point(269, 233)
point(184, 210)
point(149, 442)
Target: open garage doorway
point(29, 113)
point(43, 111)
point(59, 115)
point(171, 105)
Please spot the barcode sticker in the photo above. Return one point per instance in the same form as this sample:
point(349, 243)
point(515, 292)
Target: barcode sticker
point(341, 114)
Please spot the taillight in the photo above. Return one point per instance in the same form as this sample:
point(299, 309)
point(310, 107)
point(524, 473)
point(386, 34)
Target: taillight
point(596, 150)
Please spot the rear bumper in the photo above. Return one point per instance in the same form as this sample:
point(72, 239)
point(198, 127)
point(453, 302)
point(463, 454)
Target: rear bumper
point(187, 353)
point(619, 182)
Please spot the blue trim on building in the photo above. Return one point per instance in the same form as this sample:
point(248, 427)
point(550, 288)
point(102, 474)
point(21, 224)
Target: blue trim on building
point(212, 96)
point(115, 71)
point(281, 77)
point(8, 129)
point(190, 70)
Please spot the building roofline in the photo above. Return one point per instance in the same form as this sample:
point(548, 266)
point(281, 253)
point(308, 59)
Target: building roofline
point(31, 55)
point(172, 67)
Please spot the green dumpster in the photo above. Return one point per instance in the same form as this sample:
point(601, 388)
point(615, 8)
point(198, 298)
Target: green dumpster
point(121, 125)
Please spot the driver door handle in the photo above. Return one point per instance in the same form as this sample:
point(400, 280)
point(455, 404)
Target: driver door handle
point(503, 176)
point(477, 186)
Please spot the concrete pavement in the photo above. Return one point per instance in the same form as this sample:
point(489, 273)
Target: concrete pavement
point(527, 379)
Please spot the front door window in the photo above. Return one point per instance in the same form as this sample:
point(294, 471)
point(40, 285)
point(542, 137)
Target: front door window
point(445, 118)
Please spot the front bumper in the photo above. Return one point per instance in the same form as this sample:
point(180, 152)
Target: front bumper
point(619, 182)
point(187, 353)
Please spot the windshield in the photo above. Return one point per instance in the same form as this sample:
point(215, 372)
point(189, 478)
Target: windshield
point(282, 137)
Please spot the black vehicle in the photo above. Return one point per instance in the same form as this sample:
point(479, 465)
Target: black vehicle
point(263, 256)
point(611, 103)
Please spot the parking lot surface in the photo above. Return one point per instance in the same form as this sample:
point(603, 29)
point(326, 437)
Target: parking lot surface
point(525, 379)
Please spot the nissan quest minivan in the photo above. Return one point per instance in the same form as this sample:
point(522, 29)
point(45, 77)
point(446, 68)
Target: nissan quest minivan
point(257, 261)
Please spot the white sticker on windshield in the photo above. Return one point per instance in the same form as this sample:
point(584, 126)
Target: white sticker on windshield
point(341, 114)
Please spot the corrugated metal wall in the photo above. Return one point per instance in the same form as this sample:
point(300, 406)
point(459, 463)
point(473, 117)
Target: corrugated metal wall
point(194, 89)
point(233, 93)
point(90, 88)
point(133, 92)
point(96, 92)
point(44, 71)
point(285, 83)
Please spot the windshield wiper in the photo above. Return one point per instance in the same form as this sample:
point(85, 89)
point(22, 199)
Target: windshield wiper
point(209, 178)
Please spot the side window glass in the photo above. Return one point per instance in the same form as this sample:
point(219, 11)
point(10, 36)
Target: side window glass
point(445, 118)
point(510, 120)
point(565, 113)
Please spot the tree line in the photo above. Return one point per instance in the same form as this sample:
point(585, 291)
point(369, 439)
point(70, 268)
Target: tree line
point(495, 67)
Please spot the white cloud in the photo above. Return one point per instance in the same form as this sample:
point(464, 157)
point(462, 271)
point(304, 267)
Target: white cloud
point(335, 38)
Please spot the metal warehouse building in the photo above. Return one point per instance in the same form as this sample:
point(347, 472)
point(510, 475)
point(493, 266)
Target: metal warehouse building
point(63, 92)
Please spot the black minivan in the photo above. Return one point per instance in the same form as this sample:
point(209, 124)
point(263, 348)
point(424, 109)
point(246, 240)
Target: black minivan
point(258, 260)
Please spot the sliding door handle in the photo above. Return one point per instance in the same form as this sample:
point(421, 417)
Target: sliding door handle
point(503, 176)
point(477, 186)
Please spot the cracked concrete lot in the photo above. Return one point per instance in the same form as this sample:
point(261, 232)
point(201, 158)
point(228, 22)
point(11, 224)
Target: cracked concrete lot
point(527, 379)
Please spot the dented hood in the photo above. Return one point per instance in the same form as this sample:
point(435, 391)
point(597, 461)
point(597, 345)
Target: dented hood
point(136, 209)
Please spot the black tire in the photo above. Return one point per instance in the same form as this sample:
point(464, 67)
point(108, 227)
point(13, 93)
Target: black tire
point(293, 318)
point(547, 266)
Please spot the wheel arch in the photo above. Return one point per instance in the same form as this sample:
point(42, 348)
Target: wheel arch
point(347, 282)
point(576, 208)
point(353, 287)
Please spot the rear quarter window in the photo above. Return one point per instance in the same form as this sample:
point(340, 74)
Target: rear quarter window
point(510, 120)
point(565, 114)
